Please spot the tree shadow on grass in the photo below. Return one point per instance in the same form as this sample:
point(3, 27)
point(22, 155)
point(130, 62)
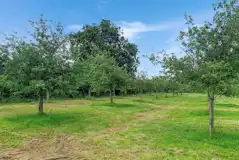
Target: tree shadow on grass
point(144, 101)
point(41, 119)
point(67, 122)
point(180, 134)
point(220, 138)
point(227, 105)
point(226, 139)
point(120, 105)
point(219, 113)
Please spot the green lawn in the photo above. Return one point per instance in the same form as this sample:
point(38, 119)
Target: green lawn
point(136, 127)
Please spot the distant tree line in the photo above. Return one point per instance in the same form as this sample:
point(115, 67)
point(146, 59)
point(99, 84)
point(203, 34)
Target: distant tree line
point(97, 60)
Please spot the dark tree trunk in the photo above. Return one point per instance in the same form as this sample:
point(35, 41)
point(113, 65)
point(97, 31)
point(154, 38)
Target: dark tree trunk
point(40, 107)
point(211, 115)
point(1, 96)
point(157, 96)
point(111, 97)
point(208, 98)
point(47, 95)
point(89, 92)
point(114, 92)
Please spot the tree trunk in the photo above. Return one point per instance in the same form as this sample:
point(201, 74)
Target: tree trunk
point(211, 115)
point(114, 92)
point(47, 95)
point(89, 92)
point(157, 96)
point(1, 96)
point(111, 97)
point(40, 107)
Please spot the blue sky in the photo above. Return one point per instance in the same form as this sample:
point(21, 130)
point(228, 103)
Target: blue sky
point(152, 24)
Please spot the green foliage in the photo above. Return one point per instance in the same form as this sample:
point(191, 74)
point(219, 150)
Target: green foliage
point(105, 37)
point(211, 49)
point(36, 66)
point(211, 57)
point(51, 64)
point(101, 71)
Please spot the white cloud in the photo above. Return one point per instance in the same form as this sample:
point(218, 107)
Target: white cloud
point(75, 27)
point(131, 30)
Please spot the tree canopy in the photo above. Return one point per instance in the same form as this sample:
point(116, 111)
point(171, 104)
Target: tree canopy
point(105, 37)
point(36, 66)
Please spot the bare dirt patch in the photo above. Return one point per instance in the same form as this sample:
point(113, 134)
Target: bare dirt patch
point(150, 116)
point(44, 148)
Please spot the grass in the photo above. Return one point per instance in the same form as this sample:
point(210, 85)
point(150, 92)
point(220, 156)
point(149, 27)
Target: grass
point(136, 127)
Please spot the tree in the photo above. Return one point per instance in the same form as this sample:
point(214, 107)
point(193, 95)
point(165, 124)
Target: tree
point(211, 58)
point(105, 73)
point(39, 64)
point(210, 47)
point(83, 70)
point(107, 38)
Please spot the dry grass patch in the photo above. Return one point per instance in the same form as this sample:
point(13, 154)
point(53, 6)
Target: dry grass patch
point(61, 147)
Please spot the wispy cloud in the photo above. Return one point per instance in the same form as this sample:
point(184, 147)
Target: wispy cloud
point(131, 30)
point(75, 27)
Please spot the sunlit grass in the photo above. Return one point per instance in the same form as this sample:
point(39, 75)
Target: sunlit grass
point(137, 127)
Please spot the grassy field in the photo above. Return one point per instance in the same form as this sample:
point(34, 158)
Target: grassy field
point(136, 127)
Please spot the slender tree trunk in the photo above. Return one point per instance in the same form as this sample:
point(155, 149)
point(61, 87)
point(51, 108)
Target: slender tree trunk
point(114, 92)
point(89, 92)
point(111, 97)
point(47, 95)
point(157, 96)
point(40, 107)
point(208, 97)
point(211, 115)
point(1, 96)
